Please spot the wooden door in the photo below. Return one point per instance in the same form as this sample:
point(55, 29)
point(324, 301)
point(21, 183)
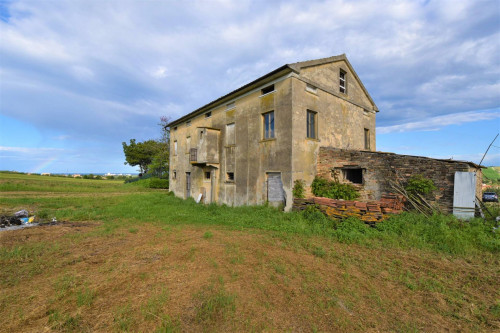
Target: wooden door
point(188, 184)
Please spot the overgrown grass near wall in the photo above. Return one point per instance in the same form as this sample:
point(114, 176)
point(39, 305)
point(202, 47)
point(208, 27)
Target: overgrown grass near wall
point(132, 204)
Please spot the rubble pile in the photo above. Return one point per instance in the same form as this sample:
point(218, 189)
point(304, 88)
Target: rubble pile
point(19, 218)
point(370, 212)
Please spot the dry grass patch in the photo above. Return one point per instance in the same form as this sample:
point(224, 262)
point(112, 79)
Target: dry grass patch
point(179, 279)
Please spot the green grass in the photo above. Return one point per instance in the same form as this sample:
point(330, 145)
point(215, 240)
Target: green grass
point(132, 207)
point(35, 183)
point(491, 174)
point(214, 303)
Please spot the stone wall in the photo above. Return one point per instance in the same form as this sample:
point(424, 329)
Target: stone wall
point(378, 169)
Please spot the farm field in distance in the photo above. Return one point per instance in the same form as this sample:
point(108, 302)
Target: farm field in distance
point(128, 258)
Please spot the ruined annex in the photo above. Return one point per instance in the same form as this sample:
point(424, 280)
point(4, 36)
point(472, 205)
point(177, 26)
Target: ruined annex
point(298, 121)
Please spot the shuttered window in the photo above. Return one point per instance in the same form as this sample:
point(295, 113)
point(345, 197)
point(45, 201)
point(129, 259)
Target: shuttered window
point(230, 135)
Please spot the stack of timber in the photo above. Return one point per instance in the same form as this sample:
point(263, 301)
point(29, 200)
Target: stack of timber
point(370, 212)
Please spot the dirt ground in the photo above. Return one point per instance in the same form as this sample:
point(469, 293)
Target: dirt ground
point(84, 277)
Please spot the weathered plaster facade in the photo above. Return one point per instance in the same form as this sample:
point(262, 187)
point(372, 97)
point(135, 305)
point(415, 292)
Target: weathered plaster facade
point(222, 150)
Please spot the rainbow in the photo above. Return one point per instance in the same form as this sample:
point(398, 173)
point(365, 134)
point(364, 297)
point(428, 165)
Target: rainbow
point(39, 168)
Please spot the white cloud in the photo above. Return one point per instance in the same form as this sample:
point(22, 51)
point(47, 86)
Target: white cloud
point(91, 69)
point(436, 123)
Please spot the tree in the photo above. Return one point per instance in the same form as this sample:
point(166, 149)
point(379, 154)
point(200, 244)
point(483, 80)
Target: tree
point(140, 153)
point(151, 156)
point(160, 162)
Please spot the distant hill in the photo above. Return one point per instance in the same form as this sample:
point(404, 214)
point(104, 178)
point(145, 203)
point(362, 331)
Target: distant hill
point(492, 174)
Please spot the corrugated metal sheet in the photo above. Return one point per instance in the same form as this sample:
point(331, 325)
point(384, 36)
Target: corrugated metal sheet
point(464, 194)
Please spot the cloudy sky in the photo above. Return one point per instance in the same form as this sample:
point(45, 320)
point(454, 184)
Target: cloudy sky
point(79, 77)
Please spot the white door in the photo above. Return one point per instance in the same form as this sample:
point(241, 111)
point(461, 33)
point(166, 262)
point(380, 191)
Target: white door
point(464, 195)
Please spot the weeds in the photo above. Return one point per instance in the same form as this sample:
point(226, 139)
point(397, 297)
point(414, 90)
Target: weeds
point(85, 297)
point(215, 304)
point(123, 318)
point(153, 309)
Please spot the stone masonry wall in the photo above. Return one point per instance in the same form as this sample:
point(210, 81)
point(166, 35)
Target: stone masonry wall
point(379, 168)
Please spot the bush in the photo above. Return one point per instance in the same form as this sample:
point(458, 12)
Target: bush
point(420, 184)
point(158, 183)
point(298, 189)
point(330, 189)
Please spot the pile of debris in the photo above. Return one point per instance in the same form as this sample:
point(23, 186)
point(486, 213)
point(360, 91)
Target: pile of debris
point(369, 212)
point(19, 218)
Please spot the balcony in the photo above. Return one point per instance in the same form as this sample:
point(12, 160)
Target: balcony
point(207, 150)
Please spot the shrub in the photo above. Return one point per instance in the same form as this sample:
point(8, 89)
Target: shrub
point(298, 189)
point(158, 183)
point(420, 184)
point(334, 190)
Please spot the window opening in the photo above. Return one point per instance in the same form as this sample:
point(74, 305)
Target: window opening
point(268, 125)
point(230, 176)
point(342, 83)
point(208, 114)
point(311, 125)
point(354, 175)
point(311, 88)
point(230, 106)
point(175, 147)
point(188, 123)
point(230, 134)
point(268, 89)
point(207, 175)
point(367, 138)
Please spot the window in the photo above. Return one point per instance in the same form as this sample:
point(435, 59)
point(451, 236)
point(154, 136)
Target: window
point(175, 128)
point(188, 123)
point(267, 89)
point(354, 175)
point(268, 119)
point(175, 147)
point(230, 135)
point(174, 175)
point(201, 135)
point(207, 175)
point(311, 125)
point(230, 176)
point(311, 89)
point(230, 106)
point(208, 114)
point(188, 144)
point(367, 138)
point(342, 83)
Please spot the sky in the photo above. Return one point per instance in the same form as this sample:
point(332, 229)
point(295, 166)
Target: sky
point(77, 78)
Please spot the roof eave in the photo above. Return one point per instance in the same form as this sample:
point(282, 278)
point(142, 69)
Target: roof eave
point(241, 90)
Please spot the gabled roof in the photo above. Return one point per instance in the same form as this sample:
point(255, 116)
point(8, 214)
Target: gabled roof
point(285, 69)
point(310, 63)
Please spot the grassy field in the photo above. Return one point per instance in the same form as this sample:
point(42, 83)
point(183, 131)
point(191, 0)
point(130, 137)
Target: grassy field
point(129, 258)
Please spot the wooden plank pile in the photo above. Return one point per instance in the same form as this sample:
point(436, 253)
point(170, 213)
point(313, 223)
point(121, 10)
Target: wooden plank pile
point(370, 212)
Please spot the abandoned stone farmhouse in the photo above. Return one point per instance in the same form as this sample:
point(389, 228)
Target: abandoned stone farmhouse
point(250, 145)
